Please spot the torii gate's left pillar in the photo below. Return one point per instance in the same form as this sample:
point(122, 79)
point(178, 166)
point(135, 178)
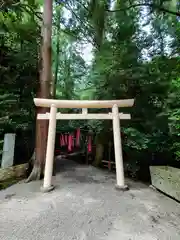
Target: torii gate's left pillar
point(50, 151)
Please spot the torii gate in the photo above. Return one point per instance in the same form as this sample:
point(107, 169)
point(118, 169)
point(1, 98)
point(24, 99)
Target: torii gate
point(115, 116)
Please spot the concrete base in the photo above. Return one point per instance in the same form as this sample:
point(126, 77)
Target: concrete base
point(47, 189)
point(121, 188)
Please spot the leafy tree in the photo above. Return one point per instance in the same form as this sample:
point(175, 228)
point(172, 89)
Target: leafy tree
point(19, 43)
point(174, 116)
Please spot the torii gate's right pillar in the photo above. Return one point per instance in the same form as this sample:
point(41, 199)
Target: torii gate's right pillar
point(120, 184)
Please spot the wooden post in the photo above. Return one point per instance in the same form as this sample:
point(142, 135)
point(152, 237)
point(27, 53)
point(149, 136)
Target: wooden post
point(109, 156)
point(118, 149)
point(87, 155)
point(50, 151)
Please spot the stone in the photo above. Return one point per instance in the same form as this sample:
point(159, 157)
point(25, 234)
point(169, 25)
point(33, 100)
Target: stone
point(8, 150)
point(167, 180)
point(17, 171)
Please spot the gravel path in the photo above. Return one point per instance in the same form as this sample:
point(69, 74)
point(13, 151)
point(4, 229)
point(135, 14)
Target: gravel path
point(85, 206)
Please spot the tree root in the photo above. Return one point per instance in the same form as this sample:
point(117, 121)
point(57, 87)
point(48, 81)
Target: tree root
point(36, 171)
point(35, 174)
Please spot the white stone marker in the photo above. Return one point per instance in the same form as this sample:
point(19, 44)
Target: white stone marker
point(8, 150)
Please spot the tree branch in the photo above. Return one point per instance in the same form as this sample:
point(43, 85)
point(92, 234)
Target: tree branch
point(29, 9)
point(160, 8)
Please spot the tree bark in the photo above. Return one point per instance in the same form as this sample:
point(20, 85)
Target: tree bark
point(43, 92)
point(99, 154)
point(98, 18)
point(58, 12)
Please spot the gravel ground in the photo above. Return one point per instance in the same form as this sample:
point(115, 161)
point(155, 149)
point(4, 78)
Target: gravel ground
point(86, 206)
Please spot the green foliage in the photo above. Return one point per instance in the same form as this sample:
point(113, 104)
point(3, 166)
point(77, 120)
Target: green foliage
point(174, 115)
point(132, 63)
point(135, 139)
point(19, 44)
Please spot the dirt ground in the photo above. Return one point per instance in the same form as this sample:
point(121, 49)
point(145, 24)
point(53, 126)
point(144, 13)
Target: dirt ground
point(86, 206)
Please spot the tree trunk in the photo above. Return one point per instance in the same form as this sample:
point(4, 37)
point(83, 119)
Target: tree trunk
point(43, 92)
point(99, 150)
point(102, 139)
point(99, 154)
point(58, 12)
point(98, 17)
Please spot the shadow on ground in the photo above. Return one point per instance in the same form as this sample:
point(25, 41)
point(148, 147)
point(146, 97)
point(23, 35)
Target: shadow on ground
point(80, 173)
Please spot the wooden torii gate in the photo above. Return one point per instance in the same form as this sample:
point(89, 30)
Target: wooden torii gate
point(115, 116)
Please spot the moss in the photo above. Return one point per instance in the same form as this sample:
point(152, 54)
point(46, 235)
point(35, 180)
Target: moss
point(9, 182)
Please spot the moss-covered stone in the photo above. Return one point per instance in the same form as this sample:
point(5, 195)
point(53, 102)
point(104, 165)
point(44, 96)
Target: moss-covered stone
point(166, 179)
point(11, 175)
point(9, 182)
